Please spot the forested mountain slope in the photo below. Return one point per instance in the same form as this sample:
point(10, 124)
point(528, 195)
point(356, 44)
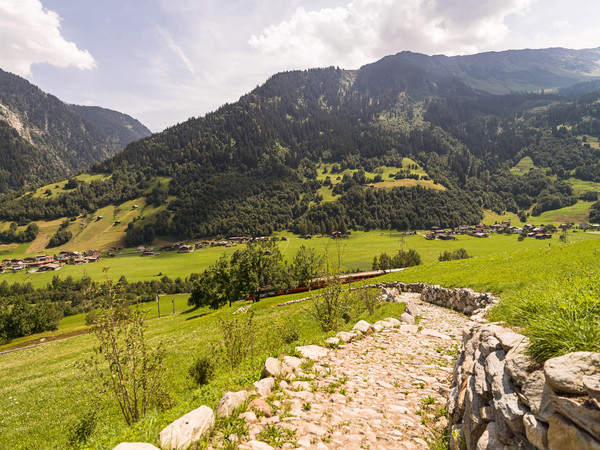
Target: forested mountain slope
point(43, 139)
point(309, 150)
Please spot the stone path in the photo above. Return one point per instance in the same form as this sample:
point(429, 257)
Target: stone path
point(385, 391)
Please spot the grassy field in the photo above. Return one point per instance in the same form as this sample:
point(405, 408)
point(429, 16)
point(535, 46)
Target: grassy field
point(523, 167)
point(357, 251)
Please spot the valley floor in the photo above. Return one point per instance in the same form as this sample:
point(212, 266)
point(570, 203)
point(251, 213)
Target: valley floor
point(387, 391)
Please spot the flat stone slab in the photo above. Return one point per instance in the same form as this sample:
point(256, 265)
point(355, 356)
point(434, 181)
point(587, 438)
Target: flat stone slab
point(565, 373)
point(314, 352)
point(188, 429)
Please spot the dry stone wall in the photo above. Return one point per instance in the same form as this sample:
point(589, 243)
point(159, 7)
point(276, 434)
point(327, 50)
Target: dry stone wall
point(500, 398)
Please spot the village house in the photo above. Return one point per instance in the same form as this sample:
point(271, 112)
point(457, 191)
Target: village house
point(93, 255)
point(185, 249)
point(240, 239)
point(49, 267)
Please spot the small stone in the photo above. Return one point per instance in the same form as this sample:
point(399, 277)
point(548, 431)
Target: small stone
point(333, 341)
point(301, 385)
point(273, 368)
point(535, 393)
point(565, 373)
point(393, 321)
point(407, 318)
point(261, 406)
point(412, 308)
point(188, 429)
point(135, 446)
point(292, 361)
point(230, 402)
point(249, 417)
point(259, 445)
point(363, 326)
point(376, 327)
point(263, 387)
point(435, 334)
point(314, 352)
point(410, 328)
point(346, 336)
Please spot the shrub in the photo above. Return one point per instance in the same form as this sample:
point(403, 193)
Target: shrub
point(237, 339)
point(81, 430)
point(124, 365)
point(202, 370)
point(461, 253)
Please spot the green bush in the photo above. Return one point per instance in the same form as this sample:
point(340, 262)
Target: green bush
point(81, 430)
point(202, 370)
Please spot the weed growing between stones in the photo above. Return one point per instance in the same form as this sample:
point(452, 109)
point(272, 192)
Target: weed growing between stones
point(276, 435)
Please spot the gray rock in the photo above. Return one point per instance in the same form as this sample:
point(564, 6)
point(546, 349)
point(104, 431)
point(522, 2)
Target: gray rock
point(489, 439)
point(506, 401)
point(435, 334)
point(188, 429)
point(562, 434)
point(395, 323)
point(535, 393)
point(407, 318)
point(487, 414)
point(135, 446)
point(580, 412)
point(292, 362)
point(333, 341)
point(536, 431)
point(231, 401)
point(376, 327)
point(259, 445)
point(482, 386)
point(592, 387)
point(519, 365)
point(249, 417)
point(346, 336)
point(263, 387)
point(489, 344)
point(412, 308)
point(273, 368)
point(314, 352)
point(565, 373)
point(509, 339)
point(473, 424)
point(363, 326)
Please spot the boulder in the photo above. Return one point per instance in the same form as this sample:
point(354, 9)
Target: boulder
point(259, 445)
point(231, 401)
point(376, 327)
point(565, 373)
point(263, 387)
point(135, 446)
point(314, 352)
point(363, 326)
point(188, 429)
point(536, 431)
point(407, 318)
point(508, 338)
point(562, 434)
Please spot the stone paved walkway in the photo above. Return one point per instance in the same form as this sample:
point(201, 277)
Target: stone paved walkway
point(385, 391)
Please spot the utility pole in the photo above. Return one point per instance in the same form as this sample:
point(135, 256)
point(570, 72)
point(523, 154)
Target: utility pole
point(173, 305)
point(158, 305)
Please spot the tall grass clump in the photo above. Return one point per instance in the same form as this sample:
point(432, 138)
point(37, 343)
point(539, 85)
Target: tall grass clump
point(562, 317)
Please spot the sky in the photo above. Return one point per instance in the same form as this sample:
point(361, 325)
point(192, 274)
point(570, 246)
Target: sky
point(164, 61)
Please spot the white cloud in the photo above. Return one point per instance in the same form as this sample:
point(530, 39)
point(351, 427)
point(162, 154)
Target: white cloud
point(30, 34)
point(365, 30)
